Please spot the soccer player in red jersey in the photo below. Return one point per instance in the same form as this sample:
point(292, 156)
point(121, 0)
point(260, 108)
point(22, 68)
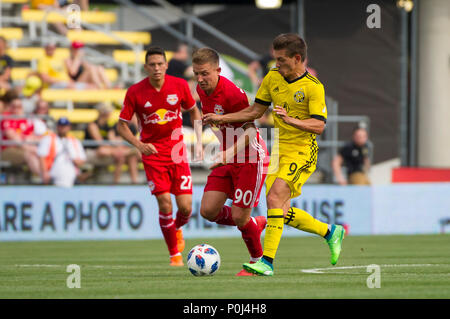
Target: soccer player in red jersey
point(158, 101)
point(241, 166)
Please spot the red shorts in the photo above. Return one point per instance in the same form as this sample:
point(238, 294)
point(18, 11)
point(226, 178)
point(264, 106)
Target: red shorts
point(169, 178)
point(241, 182)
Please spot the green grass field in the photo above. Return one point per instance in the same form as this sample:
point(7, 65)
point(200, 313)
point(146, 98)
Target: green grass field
point(411, 267)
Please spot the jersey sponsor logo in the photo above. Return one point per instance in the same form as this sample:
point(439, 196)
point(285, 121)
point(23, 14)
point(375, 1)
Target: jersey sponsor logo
point(148, 104)
point(161, 117)
point(299, 96)
point(151, 185)
point(218, 109)
point(172, 99)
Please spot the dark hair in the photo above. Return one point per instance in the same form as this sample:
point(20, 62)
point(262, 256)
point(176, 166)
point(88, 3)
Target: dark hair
point(293, 44)
point(9, 96)
point(153, 51)
point(205, 55)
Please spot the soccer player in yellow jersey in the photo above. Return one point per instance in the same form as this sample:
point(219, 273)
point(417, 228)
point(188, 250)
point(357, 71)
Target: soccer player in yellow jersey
point(300, 114)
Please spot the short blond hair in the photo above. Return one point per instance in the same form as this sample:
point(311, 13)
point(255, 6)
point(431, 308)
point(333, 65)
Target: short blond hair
point(205, 55)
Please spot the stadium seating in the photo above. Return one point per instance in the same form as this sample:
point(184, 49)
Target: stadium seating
point(12, 35)
point(78, 116)
point(87, 96)
point(128, 56)
point(92, 17)
point(100, 38)
point(20, 74)
point(33, 53)
point(15, 1)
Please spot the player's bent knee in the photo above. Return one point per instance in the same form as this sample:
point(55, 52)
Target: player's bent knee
point(208, 214)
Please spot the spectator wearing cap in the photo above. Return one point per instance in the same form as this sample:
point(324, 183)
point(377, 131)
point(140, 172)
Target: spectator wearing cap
point(79, 70)
point(103, 130)
point(31, 93)
point(61, 156)
point(6, 64)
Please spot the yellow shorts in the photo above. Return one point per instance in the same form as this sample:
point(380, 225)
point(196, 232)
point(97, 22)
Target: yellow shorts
point(295, 171)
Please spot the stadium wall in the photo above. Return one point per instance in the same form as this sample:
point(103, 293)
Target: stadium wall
point(104, 212)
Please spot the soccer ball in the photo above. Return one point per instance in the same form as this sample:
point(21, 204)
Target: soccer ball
point(203, 260)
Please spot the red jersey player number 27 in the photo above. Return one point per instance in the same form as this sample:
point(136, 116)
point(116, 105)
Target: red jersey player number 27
point(159, 116)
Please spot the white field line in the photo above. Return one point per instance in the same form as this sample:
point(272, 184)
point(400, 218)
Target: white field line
point(87, 266)
point(331, 269)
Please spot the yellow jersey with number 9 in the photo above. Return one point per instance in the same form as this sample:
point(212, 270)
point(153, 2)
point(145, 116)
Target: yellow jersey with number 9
point(302, 98)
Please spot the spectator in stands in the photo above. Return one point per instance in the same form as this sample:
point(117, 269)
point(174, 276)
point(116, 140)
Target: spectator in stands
point(355, 157)
point(51, 70)
point(41, 123)
point(101, 130)
point(49, 5)
point(6, 64)
point(61, 156)
point(81, 71)
point(19, 129)
point(179, 63)
point(31, 93)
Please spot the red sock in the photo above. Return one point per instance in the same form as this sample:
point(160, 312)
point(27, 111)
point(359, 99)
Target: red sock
point(181, 219)
point(251, 236)
point(169, 231)
point(224, 217)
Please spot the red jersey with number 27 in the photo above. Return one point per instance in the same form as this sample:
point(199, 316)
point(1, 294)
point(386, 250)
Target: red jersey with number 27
point(159, 115)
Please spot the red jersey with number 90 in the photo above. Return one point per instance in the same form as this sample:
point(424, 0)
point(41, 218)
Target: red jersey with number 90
point(228, 98)
point(159, 115)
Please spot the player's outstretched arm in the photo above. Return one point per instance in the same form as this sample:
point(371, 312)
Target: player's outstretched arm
point(228, 155)
point(248, 114)
point(125, 132)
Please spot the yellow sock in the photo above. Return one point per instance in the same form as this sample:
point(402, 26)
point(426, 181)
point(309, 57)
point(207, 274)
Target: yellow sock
point(300, 219)
point(274, 230)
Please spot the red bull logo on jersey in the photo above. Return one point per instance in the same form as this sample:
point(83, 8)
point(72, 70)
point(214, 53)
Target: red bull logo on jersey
point(172, 99)
point(218, 109)
point(161, 116)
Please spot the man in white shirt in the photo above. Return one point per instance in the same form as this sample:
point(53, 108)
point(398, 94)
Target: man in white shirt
point(61, 156)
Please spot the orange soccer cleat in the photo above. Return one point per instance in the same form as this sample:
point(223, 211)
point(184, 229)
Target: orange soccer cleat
point(244, 272)
point(176, 261)
point(180, 240)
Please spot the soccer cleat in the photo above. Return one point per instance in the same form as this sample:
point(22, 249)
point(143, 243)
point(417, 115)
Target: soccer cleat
point(261, 267)
point(180, 240)
point(176, 261)
point(335, 242)
point(244, 272)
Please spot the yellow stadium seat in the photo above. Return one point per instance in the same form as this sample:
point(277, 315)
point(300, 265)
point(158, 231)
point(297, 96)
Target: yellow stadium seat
point(77, 134)
point(85, 96)
point(93, 17)
point(28, 54)
point(128, 56)
point(77, 116)
point(19, 73)
point(11, 33)
point(15, 1)
point(96, 37)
